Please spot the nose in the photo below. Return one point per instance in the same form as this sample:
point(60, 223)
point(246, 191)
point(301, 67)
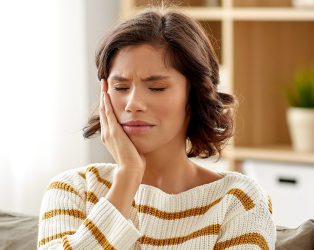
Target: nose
point(135, 102)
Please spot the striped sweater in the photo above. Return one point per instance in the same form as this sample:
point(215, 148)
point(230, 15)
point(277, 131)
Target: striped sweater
point(231, 213)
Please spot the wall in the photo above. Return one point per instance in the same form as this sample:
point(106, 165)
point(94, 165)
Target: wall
point(100, 16)
point(48, 87)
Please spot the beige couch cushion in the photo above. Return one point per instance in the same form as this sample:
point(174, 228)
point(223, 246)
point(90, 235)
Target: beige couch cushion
point(18, 231)
point(300, 238)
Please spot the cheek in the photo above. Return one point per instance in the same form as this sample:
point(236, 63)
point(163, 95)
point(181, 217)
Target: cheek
point(172, 108)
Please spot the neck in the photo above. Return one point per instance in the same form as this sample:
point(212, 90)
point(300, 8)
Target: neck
point(169, 169)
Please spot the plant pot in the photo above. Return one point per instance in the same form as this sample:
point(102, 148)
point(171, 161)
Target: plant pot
point(302, 3)
point(301, 127)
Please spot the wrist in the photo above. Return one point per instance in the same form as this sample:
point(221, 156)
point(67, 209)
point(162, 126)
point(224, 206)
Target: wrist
point(127, 175)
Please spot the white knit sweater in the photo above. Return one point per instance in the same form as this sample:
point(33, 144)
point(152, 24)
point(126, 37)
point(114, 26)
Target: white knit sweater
point(231, 213)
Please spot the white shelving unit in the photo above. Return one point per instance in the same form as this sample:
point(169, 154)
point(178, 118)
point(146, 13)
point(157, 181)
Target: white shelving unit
point(260, 45)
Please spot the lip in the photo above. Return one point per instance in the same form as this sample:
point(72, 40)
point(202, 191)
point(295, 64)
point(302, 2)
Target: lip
point(135, 127)
point(136, 123)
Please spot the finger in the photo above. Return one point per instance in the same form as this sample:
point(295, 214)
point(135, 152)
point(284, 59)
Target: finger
point(101, 88)
point(102, 113)
point(105, 85)
point(112, 120)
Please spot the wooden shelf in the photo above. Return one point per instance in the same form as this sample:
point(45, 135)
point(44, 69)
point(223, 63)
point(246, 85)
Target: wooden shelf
point(247, 13)
point(282, 153)
point(260, 43)
point(272, 14)
point(204, 13)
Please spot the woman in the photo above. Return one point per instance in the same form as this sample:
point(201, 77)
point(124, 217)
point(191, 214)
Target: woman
point(159, 77)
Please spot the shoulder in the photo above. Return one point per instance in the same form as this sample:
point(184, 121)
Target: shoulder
point(76, 180)
point(103, 169)
point(246, 190)
point(248, 213)
point(74, 192)
point(242, 201)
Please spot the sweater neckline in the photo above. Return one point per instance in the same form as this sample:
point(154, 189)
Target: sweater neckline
point(192, 190)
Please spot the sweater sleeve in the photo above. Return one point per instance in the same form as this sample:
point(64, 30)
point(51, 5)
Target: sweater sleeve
point(250, 230)
point(64, 225)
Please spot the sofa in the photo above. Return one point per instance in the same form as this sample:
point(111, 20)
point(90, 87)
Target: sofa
point(19, 232)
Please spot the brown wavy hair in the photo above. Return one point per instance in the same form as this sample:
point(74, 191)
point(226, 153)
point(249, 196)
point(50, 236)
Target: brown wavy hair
point(189, 51)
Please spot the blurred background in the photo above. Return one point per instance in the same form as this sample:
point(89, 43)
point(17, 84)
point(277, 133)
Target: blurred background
point(49, 88)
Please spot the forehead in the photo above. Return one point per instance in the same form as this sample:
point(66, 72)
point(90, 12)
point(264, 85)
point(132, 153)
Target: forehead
point(144, 56)
point(142, 49)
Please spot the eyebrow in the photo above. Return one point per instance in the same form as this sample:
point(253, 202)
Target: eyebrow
point(150, 78)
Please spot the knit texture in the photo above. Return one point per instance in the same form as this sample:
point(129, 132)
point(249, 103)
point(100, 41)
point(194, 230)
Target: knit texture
point(231, 213)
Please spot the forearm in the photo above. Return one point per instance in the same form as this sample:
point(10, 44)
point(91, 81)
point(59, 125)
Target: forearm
point(123, 190)
point(77, 229)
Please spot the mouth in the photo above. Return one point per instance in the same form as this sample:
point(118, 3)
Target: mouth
point(136, 123)
point(137, 126)
point(135, 129)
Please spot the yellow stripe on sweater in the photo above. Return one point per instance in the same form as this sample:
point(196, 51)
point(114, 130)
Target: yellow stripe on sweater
point(250, 238)
point(71, 212)
point(95, 171)
point(98, 234)
point(242, 196)
point(270, 205)
point(209, 230)
point(54, 237)
point(82, 175)
point(62, 186)
point(91, 197)
point(65, 243)
point(175, 215)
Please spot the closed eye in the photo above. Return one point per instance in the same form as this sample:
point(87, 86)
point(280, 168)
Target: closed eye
point(117, 89)
point(152, 89)
point(158, 89)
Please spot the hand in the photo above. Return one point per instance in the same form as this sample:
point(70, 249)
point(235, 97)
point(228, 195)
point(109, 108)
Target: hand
point(115, 139)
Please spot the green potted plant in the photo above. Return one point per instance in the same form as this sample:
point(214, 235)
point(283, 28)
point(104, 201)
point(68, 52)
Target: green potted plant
point(300, 114)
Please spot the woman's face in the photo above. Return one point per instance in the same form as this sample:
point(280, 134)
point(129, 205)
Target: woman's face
point(141, 88)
